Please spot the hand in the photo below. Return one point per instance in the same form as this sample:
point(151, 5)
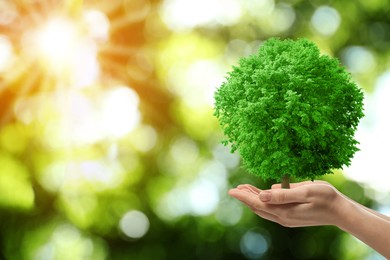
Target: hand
point(305, 204)
point(315, 204)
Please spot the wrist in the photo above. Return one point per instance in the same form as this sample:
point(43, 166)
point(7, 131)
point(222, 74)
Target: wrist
point(343, 211)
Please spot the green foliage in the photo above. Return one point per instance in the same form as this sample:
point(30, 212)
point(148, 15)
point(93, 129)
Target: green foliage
point(290, 110)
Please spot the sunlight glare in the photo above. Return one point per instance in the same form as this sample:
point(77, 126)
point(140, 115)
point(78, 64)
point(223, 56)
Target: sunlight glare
point(57, 42)
point(69, 48)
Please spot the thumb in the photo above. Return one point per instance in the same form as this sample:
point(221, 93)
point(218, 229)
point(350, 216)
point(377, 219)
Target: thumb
point(283, 196)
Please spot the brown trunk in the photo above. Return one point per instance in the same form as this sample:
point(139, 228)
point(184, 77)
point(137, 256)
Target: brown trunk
point(286, 181)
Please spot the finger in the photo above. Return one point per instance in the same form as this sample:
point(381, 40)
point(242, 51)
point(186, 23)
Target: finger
point(249, 187)
point(244, 195)
point(266, 211)
point(284, 196)
point(253, 202)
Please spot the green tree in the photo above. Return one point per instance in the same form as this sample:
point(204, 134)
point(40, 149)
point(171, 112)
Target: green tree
point(290, 111)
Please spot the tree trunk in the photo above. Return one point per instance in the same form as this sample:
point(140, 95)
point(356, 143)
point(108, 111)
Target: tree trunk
point(286, 181)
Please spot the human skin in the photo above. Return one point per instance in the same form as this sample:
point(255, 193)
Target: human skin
point(317, 203)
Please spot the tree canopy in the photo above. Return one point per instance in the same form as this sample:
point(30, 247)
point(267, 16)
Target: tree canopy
point(289, 109)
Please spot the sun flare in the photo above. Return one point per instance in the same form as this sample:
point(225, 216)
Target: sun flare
point(57, 43)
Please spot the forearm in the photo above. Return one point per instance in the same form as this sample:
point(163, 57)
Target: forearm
point(364, 224)
point(368, 209)
point(387, 218)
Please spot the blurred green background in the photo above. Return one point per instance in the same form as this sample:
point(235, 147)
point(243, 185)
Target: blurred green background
point(108, 144)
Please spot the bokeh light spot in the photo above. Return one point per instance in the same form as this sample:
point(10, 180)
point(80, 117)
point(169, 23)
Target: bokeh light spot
point(202, 78)
point(120, 113)
point(134, 224)
point(183, 14)
point(66, 242)
point(203, 197)
point(258, 8)
point(6, 53)
point(237, 48)
point(358, 59)
point(216, 172)
point(326, 20)
point(98, 25)
point(68, 176)
point(196, 83)
point(174, 204)
point(229, 213)
point(144, 138)
point(223, 154)
point(136, 9)
point(184, 150)
point(100, 174)
point(253, 244)
point(282, 17)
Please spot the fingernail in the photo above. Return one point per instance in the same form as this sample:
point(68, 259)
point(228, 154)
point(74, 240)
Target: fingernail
point(265, 196)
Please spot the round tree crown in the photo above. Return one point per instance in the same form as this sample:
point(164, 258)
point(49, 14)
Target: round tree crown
point(290, 110)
